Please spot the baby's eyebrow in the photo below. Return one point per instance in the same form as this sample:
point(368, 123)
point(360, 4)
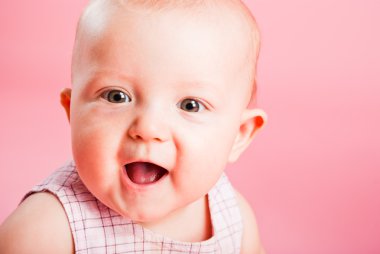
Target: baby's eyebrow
point(110, 76)
point(201, 85)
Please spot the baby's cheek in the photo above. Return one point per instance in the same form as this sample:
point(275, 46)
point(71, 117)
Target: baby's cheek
point(196, 177)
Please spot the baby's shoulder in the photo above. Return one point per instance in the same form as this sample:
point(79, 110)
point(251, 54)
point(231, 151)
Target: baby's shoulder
point(38, 225)
point(251, 240)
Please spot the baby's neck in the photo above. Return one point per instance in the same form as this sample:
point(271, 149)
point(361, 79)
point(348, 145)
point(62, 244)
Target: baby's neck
point(189, 224)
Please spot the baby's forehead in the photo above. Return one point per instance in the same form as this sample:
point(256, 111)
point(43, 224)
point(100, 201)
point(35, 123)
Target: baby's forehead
point(98, 14)
point(231, 17)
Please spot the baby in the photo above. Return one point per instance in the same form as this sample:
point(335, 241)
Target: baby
point(162, 98)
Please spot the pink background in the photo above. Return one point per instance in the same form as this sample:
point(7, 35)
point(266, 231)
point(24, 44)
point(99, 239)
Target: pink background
point(312, 176)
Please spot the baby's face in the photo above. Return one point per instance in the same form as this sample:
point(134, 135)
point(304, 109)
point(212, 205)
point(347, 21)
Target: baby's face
point(156, 110)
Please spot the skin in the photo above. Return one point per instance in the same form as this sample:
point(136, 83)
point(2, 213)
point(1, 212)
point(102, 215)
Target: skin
point(157, 61)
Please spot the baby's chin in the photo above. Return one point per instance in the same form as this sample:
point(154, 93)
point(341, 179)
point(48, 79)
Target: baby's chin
point(152, 216)
point(148, 218)
point(144, 213)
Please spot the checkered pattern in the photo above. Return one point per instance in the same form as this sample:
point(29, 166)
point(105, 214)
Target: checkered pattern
point(98, 229)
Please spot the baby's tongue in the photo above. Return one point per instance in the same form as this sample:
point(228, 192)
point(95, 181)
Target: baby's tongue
point(144, 173)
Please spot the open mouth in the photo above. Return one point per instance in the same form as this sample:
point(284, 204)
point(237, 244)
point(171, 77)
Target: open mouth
point(144, 172)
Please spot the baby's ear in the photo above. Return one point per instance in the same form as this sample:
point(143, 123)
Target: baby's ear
point(252, 121)
point(65, 101)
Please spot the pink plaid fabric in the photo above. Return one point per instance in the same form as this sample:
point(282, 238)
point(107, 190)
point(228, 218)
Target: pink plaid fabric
point(98, 229)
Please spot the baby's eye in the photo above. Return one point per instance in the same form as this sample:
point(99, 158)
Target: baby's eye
point(191, 105)
point(115, 96)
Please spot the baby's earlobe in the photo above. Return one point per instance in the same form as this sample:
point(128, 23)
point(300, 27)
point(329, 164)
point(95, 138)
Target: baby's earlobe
point(66, 100)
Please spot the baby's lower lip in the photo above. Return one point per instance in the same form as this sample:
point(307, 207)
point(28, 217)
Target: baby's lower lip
point(144, 173)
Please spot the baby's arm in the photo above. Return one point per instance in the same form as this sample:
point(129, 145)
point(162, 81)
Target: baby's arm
point(38, 225)
point(251, 240)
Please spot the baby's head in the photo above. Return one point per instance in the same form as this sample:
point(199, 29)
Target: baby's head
point(159, 100)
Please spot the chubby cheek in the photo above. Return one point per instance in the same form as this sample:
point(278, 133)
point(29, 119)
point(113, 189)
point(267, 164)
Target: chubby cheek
point(203, 160)
point(95, 145)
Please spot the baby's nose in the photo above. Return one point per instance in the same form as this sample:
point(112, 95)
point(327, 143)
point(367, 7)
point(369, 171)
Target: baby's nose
point(149, 126)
